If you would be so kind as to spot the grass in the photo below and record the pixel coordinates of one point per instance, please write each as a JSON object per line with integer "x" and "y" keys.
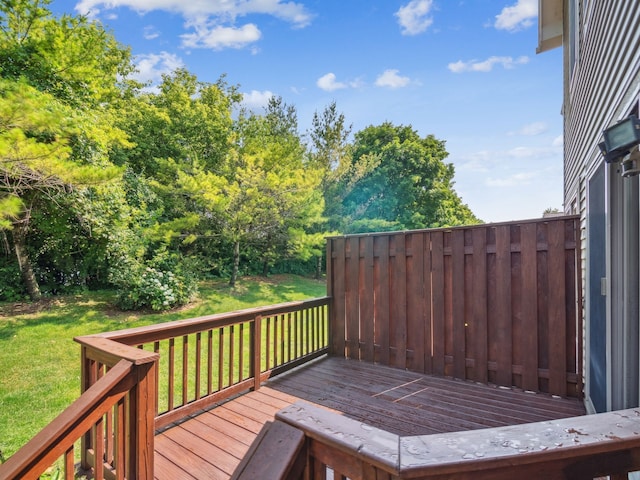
{"x": 40, "y": 362}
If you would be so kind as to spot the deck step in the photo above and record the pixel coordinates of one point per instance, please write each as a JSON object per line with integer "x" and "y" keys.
{"x": 276, "y": 453}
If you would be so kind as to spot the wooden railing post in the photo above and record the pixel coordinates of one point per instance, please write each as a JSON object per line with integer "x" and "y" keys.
{"x": 86, "y": 381}
{"x": 142, "y": 412}
{"x": 256, "y": 347}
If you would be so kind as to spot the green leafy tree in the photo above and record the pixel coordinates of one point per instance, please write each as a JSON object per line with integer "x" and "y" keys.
{"x": 37, "y": 165}
{"x": 403, "y": 182}
{"x": 57, "y": 78}
{"x": 185, "y": 121}
{"x": 266, "y": 196}
{"x": 330, "y": 154}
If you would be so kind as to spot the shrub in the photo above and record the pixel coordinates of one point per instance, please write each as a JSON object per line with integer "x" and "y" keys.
{"x": 156, "y": 289}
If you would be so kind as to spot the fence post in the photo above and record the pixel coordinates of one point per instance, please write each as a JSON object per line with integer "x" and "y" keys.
{"x": 142, "y": 413}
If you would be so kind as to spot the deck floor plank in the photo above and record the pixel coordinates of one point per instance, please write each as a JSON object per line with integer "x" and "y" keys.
{"x": 211, "y": 444}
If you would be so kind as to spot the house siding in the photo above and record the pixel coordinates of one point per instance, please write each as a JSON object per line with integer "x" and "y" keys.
{"x": 601, "y": 52}
{"x": 601, "y": 86}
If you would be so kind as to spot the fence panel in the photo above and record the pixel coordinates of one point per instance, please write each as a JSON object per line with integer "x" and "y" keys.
{"x": 494, "y": 303}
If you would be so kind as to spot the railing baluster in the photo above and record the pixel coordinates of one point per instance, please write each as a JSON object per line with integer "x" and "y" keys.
{"x": 289, "y": 337}
{"x": 220, "y": 357}
{"x": 276, "y": 340}
{"x": 209, "y": 362}
{"x": 231, "y": 352}
{"x": 296, "y": 342}
{"x": 307, "y": 329}
{"x": 241, "y": 353}
{"x": 267, "y": 360}
{"x": 156, "y": 349}
{"x": 108, "y": 449}
{"x": 172, "y": 372}
{"x": 69, "y": 467}
{"x": 185, "y": 369}
{"x": 99, "y": 450}
{"x": 198, "y": 363}
{"x": 282, "y": 360}
{"x": 121, "y": 444}
{"x": 257, "y": 350}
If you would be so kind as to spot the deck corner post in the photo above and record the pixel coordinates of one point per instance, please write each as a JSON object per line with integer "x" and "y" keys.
{"x": 85, "y": 383}
{"x": 257, "y": 351}
{"x": 142, "y": 414}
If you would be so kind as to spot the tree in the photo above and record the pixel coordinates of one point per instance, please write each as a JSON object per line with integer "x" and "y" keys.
{"x": 57, "y": 77}
{"x": 72, "y": 58}
{"x": 37, "y": 163}
{"x": 330, "y": 154}
{"x": 266, "y": 196}
{"x": 185, "y": 121}
{"x": 405, "y": 184}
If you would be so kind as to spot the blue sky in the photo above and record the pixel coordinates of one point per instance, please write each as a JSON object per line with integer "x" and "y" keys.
{"x": 463, "y": 70}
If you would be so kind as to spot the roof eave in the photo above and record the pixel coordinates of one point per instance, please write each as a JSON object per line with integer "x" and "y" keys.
{"x": 550, "y": 24}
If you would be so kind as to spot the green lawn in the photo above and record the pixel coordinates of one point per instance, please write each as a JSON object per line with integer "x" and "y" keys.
{"x": 40, "y": 362}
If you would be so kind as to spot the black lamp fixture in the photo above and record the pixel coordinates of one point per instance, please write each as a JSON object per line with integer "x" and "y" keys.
{"x": 620, "y": 138}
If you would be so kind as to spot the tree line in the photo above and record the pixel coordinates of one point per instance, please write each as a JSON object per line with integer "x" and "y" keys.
{"x": 107, "y": 183}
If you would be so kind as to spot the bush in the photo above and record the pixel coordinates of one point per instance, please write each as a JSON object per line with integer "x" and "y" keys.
{"x": 164, "y": 282}
{"x": 156, "y": 289}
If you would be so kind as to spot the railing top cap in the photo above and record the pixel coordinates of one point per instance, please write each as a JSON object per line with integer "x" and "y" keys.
{"x": 458, "y": 451}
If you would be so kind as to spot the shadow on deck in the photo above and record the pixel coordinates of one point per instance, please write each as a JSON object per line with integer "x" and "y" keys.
{"x": 211, "y": 444}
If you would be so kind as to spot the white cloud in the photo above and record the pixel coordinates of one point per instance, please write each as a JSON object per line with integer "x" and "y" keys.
{"x": 518, "y": 16}
{"x": 514, "y": 180}
{"x": 328, "y": 83}
{"x": 533, "y": 129}
{"x": 558, "y": 142}
{"x": 152, "y": 66}
{"x": 218, "y": 37}
{"x": 213, "y": 21}
{"x": 486, "y": 65}
{"x": 523, "y": 152}
{"x": 292, "y": 12}
{"x": 150, "y": 32}
{"x": 414, "y": 17}
{"x": 391, "y": 79}
{"x": 255, "y": 100}
{"x": 476, "y": 162}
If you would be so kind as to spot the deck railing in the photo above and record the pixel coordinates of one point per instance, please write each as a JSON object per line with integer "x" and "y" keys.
{"x": 138, "y": 380}
{"x": 496, "y": 303}
{"x": 208, "y": 359}
{"x": 587, "y": 447}
{"x": 114, "y": 417}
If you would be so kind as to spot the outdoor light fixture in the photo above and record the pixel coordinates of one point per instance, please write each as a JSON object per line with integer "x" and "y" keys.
{"x": 620, "y": 138}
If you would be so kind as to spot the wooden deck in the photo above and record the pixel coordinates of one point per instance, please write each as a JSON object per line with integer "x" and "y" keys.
{"x": 210, "y": 445}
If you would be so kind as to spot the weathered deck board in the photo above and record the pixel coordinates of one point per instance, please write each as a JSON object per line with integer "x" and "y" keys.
{"x": 211, "y": 445}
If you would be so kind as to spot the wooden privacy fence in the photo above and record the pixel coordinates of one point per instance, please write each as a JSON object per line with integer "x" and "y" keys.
{"x": 495, "y": 303}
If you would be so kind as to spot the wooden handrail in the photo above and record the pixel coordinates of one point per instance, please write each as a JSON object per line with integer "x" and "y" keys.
{"x": 571, "y": 448}
{"x": 109, "y": 352}
{"x": 60, "y": 435}
{"x": 198, "y": 350}
{"x": 163, "y": 331}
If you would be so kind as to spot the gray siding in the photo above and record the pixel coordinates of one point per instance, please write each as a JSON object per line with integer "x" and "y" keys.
{"x": 601, "y": 86}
